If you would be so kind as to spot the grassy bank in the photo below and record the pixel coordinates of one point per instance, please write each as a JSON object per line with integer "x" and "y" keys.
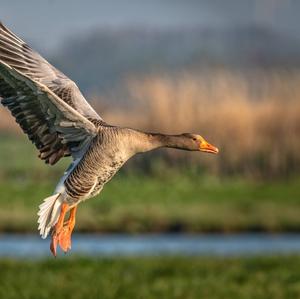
{"x": 186, "y": 278}
{"x": 169, "y": 200}
{"x": 180, "y": 203}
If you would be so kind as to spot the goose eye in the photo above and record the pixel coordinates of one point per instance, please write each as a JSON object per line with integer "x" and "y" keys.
{"x": 195, "y": 139}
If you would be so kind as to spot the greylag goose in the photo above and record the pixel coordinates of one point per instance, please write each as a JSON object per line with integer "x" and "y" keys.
{"x": 58, "y": 120}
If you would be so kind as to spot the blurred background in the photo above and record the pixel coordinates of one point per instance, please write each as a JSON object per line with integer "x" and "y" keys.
{"x": 228, "y": 70}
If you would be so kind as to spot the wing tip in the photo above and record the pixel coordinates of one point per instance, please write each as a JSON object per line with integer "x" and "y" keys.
{"x": 2, "y": 26}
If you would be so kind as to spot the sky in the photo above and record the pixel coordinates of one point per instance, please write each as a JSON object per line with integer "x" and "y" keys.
{"x": 46, "y": 23}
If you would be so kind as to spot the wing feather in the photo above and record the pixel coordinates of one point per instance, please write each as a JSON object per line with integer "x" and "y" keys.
{"x": 51, "y": 124}
{"x": 17, "y": 54}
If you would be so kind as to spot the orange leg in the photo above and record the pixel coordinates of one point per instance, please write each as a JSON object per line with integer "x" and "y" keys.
{"x": 65, "y": 236}
{"x": 58, "y": 228}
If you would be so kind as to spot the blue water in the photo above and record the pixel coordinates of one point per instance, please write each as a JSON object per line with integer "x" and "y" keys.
{"x": 152, "y": 245}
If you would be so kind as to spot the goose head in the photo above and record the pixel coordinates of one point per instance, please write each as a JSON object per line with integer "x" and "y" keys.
{"x": 195, "y": 142}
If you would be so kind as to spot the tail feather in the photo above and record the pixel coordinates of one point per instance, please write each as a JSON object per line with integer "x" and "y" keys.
{"x": 48, "y": 214}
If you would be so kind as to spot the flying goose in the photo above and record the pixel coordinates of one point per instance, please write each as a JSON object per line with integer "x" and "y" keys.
{"x": 58, "y": 120}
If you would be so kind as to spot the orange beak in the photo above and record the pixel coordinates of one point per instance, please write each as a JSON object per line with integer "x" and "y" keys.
{"x": 208, "y": 148}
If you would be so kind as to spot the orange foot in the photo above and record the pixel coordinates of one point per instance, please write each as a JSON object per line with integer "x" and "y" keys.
{"x": 62, "y": 232}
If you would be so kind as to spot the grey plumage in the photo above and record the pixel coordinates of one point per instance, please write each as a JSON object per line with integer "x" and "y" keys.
{"x": 51, "y": 110}
{"x": 53, "y": 113}
{"x": 38, "y": 74}
{"x": 100, "y": 162}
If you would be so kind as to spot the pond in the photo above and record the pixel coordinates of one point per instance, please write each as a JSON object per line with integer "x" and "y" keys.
{"x": 32, "y": 246}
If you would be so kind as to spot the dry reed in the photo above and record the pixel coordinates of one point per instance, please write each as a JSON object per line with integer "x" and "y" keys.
{"x": 254, "y": 119}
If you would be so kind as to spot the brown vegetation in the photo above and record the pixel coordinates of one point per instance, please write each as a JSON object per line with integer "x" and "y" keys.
{"x": 254, "y": 119}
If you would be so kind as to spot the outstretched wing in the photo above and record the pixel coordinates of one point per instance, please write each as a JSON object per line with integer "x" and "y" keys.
{"x": 17, "y": 54}
{"x": 51, "y": 124}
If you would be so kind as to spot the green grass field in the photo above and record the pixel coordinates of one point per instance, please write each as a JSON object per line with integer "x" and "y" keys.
{"x": 166, "y": 201}
{"x": 143, "y": 204}
{"x": 147, "y": 278}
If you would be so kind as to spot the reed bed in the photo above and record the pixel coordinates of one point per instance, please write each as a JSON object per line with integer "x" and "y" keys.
{"x": 253, "y": 118}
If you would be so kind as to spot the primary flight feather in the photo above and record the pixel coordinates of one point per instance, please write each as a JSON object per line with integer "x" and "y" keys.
{"x": 58, "y": 120}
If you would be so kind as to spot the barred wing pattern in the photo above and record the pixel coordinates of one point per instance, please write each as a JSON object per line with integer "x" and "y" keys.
{"x": 16, "y": 53}
{"x": 52, "y": 125}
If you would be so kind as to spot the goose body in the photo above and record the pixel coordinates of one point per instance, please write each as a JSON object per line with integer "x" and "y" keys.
{"x": 51, "y": 110}
{"x": 99, "y": 164}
